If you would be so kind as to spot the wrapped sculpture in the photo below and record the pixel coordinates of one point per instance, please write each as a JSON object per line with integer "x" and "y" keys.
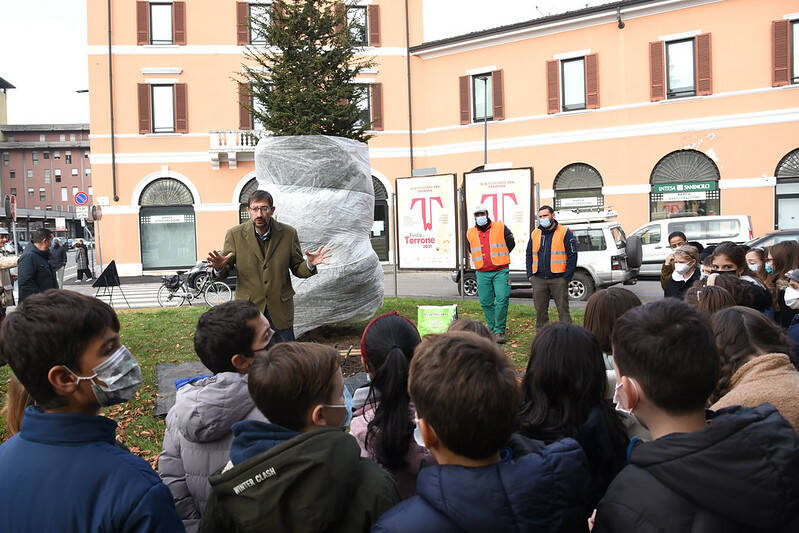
{"x": 323, "y": 187}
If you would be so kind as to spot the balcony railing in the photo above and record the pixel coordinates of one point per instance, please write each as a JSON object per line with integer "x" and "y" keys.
{"x": 227, "y": 144}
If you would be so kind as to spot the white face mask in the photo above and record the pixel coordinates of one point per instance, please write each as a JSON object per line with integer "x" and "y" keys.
{"x": 120, "y": 373}
{"x": 754, "y": 268}
{"x": 616, "y": 402}
{"x": 792, "y": 297}
{"x": 682, "y": 268}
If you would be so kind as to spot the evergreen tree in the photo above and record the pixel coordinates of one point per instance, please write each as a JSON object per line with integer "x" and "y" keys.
{"x": 303, "y": 80}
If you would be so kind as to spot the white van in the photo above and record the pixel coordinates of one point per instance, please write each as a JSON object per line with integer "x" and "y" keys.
{"x": 705, "y": 230}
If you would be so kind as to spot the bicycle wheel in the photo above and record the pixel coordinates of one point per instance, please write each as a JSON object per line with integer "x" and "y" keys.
{"x": 169, "y": 298}
{"x": 217, "y": 293}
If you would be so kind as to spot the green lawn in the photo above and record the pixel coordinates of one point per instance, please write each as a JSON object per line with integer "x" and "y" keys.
{"x": 165, "y": 336}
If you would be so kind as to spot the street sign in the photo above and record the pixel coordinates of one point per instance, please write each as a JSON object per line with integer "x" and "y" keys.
{"x": 97, "y": 212}
{"x": 13, "y": 202}
{"x": 82, "y": 211}
{"x": 81, "y": 198}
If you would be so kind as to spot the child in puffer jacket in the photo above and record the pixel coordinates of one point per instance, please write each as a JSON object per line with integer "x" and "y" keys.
{"x": 198, "y": 433}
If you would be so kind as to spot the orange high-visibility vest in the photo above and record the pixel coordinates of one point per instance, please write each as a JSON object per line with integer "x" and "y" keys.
{"x": 496, "y": 238}
{"x": 557, "y": 253}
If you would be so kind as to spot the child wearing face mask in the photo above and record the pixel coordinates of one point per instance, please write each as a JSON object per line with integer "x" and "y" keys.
{"x": 300, "y": 471}
{"x": 686, "y": 272}
{"x": 700, "y": 464}
{"x": 791, "y": 298}
{"x": 63, "y": 471}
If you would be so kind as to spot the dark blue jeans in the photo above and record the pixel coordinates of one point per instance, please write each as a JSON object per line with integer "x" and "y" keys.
{"x": 281, "y": 335}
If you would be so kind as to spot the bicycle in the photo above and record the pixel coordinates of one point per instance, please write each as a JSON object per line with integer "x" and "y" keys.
{"x": 175, "y": 291}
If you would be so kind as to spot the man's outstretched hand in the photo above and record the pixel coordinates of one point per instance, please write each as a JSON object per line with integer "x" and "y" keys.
{"x": 218, "y": 260}
{"x": 318, "y": 257}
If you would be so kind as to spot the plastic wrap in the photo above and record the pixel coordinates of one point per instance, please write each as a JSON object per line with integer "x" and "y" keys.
{"x": 322, "y": 186}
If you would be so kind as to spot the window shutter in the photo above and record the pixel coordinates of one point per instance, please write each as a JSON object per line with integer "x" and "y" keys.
{"x": 553, "y": 87}
{"x": 591, "y": 82}
{"x": 242, "y": 23}
{"x": 781, "y": 59}
{"x": 704, "y": 70}
{"x": 179, "y": 22}
{"x": 181, "y": 110}
{"x": 340, "y": 9}
{"x": 377, "y": 106}
{"x": 498, "y": 94}
{"x": 464, "y": 99}
{"x": 144, "y": 108}
{"x": 245, "y": 117}
{"x": 142, "y": 23}
{"x": 657, "y": 76}
{"x": 374, "y": 25}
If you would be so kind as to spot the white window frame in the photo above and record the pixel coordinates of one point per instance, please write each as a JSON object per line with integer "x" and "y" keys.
{"x": 74, "y": 171}
{"x": 682, "y": 92}
{"x": 488, "y": 100}
{"x": 153, "y": 112}
{"x": 351, "y": 26}
{"x": 367, "y": 109}
{"x": 563, "y": 85}
{"x": 160, "y": 7}
{"x": 265, "y": 10}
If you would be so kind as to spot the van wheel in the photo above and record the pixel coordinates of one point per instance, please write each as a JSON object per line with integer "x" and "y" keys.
{"x": 581, "y": 287}
{"x": 469, "y": 285}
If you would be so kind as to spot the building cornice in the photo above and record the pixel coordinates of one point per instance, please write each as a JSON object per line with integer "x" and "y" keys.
{"x": 563, "y": 22}
{"x": 27, "y": 145}
{"x": 44, "y": 127}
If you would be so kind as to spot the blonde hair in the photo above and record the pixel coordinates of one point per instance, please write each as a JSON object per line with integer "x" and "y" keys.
{"x": 688, "y": 252}
{"x": 17, "y": 400}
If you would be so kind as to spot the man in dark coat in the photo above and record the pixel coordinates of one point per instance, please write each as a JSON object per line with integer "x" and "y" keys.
{"x": 58, "y": 261}
{"x": 264, "y": 251}
{"x": 35, "y": 274}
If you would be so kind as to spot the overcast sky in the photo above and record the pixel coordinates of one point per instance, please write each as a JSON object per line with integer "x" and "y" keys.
{"x": 43, "y": 47}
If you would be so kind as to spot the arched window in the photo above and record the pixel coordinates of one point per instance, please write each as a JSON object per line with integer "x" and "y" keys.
{"x": 166, "y": 225}
{"x": 786, "y": 215}
{"x": 244, "y": 197}
{"x": 381, "y": 224}
{"x": 684, "y": 184}
{"x": 579, "y": 187}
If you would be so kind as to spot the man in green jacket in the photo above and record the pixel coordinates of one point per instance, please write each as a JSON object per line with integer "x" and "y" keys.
{"x": 300, "y": 472}
{"x": 264, "y": 251}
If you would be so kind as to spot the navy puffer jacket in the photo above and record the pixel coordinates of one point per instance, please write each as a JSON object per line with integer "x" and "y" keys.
{"x": 545, "y": 490}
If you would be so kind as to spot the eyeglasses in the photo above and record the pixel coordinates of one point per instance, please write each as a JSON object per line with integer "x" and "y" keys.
{"x": 263, "y": 210}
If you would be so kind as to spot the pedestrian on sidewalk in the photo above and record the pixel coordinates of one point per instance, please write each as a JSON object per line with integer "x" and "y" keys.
{"x": 58, "y": 261}
{"x": 35, "y": 274}
{"x": 551, "y": 261}
{"x": 82, "y": 260}
{"x": 6, "y": 285}
{"x": 491, "y": 243}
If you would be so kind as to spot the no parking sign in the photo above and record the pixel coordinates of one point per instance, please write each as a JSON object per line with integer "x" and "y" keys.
{"x": 81, "y": 198}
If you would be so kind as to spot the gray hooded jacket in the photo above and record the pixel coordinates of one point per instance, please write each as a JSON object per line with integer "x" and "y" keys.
{"x": 198, "y": 438}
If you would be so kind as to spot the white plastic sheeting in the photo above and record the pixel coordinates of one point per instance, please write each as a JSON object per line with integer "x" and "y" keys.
{"x": 323, "y": 187}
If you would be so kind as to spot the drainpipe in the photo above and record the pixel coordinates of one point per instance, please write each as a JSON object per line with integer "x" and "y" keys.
{"x": 111, "y": 98}
{"x": 408, "y": 69}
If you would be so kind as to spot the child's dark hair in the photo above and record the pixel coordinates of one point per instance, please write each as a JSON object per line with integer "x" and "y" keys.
{"x": 49, "y": 329}
{"x": 290, "y": 379}
{"x": 564, "y": 381}
{"x": 469, "y": 324}
{"x": 709, "y": 298}
{"x": 676, "y": 234}
{"x": 602, "y": 310}
{"x": 668, "y": 347}
{"x": 222, "y": 332}
{"x": 465, "y": 388}
{"x": 736, "y": 254}
{"x": 387, "y": 346}
{"x": 740, "y": 333}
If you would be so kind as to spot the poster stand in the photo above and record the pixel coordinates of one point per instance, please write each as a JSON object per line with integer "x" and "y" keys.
{"x": 107, "y": 281}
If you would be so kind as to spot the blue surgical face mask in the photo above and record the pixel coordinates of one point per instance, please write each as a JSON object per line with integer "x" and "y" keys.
{"x": 754, "y": 268}
{"x": 544, "y": 222}
{"x": 769, "y": 268}
{"x": 482, "y": 220}
{"x": 347, "y": 405}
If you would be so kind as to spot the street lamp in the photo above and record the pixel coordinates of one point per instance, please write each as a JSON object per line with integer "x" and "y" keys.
{"x": 484, "y": 78}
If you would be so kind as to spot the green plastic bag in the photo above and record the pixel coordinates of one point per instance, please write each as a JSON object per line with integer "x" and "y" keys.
{"x": 436, "y": 318}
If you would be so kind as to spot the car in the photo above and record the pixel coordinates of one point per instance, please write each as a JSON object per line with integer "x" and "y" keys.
{"x": 198, "y": 273}
{"x": 606, "y": 256}
{"x": 706, "y": 231}
{"x": 770, "y": 239}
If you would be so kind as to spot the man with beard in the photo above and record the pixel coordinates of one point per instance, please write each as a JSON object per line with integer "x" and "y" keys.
{"x": 263, "y": 251}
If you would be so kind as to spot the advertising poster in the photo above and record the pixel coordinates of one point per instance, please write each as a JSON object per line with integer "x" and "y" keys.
{"x": 508, "y": 196}
{"x": 426, "y": 223}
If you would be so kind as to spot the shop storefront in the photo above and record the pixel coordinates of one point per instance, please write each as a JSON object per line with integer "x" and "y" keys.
{"x": 786, "y": 201}
{"x": 578, "y": 187}
{"x": 684, "y": 184}
{"x": 167, "y": 226}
